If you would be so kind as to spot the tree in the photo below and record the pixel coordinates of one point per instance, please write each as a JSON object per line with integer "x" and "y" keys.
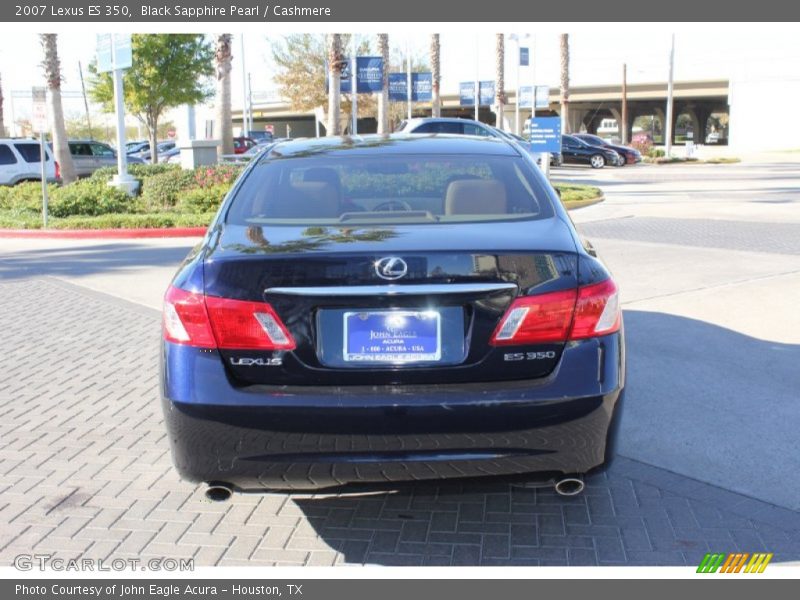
{"x": 436, "y": 74}
{"x": 222, "y": 55}
{"x": 52, "y": 73}
{"x": 500, "y": 78}
{"x": 2, "y": 122}
{"x": 383, "y": 98}
{"x": 168, "y": 70}
{"x": 335, "y": 67}
{"x": 565, "y": 82}
{"x": 301, "y": 61}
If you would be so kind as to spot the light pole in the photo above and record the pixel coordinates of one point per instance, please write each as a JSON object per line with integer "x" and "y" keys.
{"x": 245, "y": 115}
{"x": 353, "y": 83}
{"x": 408, "y": 76}
{"x": 624, "y": 124}
{"x": 668, "y": 128}
{"x": 477, "y": 75}
{"x": 517, "y": 38}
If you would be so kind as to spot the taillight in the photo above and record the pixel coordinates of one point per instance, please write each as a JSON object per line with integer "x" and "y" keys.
{"x": 589, "y": 311}
{"x": 243, "y": 325}
{"x": 210, "y": 322}
{"x": 58, "y": 170}
{"x": 186, "y": 319}
{"x": 534, "y": 319}
{"x": 597, "y": 310}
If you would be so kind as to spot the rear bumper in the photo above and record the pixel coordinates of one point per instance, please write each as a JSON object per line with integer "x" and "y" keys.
{"x": 312, "y": 437}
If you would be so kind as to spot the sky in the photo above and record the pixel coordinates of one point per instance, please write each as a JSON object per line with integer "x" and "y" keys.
{"x": 756, "y": 52}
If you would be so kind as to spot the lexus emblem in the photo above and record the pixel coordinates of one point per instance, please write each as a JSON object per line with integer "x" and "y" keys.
{"x": 391, "y": 267}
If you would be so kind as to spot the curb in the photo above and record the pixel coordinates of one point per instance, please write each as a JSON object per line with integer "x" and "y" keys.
{"x": 121, "y": 233}
{"x": 584, "y": 203}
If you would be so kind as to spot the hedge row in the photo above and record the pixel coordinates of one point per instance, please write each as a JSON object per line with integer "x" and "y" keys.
{"x": 163, "y": 189}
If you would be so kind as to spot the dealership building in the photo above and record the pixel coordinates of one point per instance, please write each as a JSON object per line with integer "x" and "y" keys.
{"x": 719, "y": 112}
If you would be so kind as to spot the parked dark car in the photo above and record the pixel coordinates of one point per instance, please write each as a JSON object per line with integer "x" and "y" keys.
{"x": 391, "y": 308}
{"x": 576, "y": 151}
{"x": 631, "y": 155}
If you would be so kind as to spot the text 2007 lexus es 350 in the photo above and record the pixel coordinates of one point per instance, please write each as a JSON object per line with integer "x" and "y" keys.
{"x": 384, "y": 309}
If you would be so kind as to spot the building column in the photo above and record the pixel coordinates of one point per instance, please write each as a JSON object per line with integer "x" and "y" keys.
{"x": 576, "y": 118}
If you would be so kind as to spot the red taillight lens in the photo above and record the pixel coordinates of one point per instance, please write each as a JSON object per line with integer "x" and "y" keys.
{"x": 597, "y": 311}
{"x": 536, "y": 319}
{"x": 58, "y": 170}
{"x": 589, "y": 311}
{"x": 210, "y": 322}
{"x": 186, "y": 319}
{"x": 243, "y": 325}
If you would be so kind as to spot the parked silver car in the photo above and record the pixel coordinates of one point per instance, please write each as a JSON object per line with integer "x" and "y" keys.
{"x": 90, "y": 155}
{"x": 21, "y": 160}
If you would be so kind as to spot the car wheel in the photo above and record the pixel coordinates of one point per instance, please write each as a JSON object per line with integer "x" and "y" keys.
{"x": 597, "y": 161}
{"x": 622, "y": 161}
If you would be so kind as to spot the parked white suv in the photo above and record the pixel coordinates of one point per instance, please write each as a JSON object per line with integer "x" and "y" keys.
{"x": 20, "y": 160}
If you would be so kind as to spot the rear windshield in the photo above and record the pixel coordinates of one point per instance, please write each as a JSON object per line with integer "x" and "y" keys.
{"x": 389, "y": 189}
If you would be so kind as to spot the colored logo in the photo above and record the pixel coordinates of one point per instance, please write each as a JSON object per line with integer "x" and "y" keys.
{"x": 735, "y": 562}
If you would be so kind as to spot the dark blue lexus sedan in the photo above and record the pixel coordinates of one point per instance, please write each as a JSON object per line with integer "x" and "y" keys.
{"x": 385, "y": 309}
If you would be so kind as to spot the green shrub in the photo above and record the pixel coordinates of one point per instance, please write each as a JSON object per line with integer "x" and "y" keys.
{"x": 161, "y": 191}
{"x": 137, "y": 171}
{"x": 24, "y": 196}
{"x": 89, "y": 197}
{"x": 104, "y": 174}
{"x": 20, "y": 219}
{"x": 202, "y": 200}
{"x": 141, "y": 171}
{"x": 655, "y": 153}
{"x": 577, "y": 192}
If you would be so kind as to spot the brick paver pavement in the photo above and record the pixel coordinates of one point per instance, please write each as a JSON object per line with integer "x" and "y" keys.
{"x": 86, "y": 472}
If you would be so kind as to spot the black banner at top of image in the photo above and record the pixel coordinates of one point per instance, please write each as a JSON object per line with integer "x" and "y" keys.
{"x": 350, "y": 11}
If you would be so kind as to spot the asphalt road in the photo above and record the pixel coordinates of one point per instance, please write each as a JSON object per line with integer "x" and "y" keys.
{"x": 708, "y": 258}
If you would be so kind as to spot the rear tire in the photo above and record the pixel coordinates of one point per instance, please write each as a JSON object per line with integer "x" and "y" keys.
{"x": 598, "y": 161}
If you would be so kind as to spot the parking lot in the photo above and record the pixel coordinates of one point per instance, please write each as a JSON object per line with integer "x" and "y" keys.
{"x": 708, "y": 259}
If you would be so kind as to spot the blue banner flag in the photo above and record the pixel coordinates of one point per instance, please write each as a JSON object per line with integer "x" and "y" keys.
{"x": 467, "y": 93}
{"x": 421, "y": 87}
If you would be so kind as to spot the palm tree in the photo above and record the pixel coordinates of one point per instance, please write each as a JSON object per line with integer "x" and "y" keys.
{"x": 500, "y": 76}
{"x": 383, "y": 98}
{"x": 335, "y": 65}
{"x": 565, "y": 82}
{"x": 436, "y": 75}
{"x": 52, "y": 73}
{"x": 222, "y": 60}
{"x": 2, "y": 126}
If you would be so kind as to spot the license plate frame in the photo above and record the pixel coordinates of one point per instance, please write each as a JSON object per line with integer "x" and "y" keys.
{"x": 398, "y": 343}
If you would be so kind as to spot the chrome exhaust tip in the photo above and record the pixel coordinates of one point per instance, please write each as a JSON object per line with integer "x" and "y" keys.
{"x": 570, "y": 486}
{"x": 218, "y": 492}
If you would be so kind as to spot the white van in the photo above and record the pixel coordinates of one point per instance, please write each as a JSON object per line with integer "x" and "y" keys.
{"x": 20, "y": 160}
